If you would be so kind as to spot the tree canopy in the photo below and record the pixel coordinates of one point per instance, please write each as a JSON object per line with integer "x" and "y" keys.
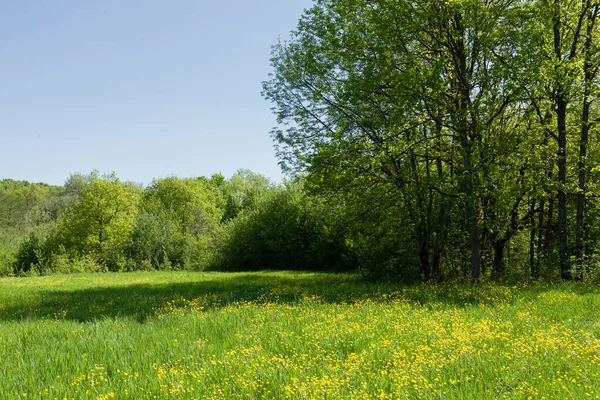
{"x": 464, "y": 110}
{"x": 101, "y": 221}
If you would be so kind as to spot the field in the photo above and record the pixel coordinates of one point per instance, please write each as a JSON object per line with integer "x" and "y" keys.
{"x": 293, "y": 336}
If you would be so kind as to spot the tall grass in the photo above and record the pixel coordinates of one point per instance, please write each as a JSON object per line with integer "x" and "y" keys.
{"x": 284, "y": 335}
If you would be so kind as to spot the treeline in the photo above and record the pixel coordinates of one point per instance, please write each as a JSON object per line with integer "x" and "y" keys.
{"x": 470, "y": 126}
{"x": 99, "y": 223}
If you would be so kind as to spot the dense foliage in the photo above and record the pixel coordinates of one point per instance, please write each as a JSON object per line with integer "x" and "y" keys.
{"x": 286, "y": 229}
{"x": 99, "y": 223}
{"x": 470, "y": 125}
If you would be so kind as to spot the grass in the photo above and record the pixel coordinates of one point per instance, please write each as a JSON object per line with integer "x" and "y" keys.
{"x": 183, "y": 335}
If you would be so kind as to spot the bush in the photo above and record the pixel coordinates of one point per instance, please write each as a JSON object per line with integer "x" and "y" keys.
{"x": 157, "y": 243}
{"x": 6, "y": 264}
{"x": 288, "y": 229}
{"x": 153, "y": 244}
{"x": 29, "y": 254}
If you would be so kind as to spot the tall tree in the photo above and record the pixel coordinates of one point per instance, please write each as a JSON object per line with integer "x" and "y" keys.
{"x": 384, "y": 93}
{"x": 101, "y": 221}
{"x": 566, "y": 39}
{"x": 193, "y": 204}
{"x": 242, "y": 191}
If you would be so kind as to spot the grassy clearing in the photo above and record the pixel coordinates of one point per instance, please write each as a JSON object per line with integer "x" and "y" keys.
{"x": 293, "y": 336}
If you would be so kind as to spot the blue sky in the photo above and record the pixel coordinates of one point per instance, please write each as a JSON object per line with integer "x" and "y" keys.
{"x": 146, "y": 88}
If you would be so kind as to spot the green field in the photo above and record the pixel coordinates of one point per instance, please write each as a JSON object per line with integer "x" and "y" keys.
{"x": 293, "y": 336}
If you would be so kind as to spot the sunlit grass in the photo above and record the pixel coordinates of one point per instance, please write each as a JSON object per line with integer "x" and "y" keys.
{"x": 292, "y": 336}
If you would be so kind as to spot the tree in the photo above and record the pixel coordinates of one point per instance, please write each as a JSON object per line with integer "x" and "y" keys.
{"x": 286, "y": 229}
{"x": 566, "y": 41}
{"x": 180, "y": 221}
{"x": 242, "y": 192}
{"x": 193, "y": 204}
{"x": 101, "y": 221}
{"x": 400, "y": 95}
{"x": 156, "y": 243}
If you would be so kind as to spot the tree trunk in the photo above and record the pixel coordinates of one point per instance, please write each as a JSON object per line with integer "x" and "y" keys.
{"x": 466, "y": 134}
{"x": 563, "y": 237}
{"x": 540, "y": 240}
{"x": 422, "y": 226}
{"x": 471, "y": 211}
{"x": 441, "y": 217}
{"x": 583, "y": 145}
{"x": 533, "y": 230}
{"x": 581, "y": 194}
{"x": 498, "y": 247}
{"x": 424, "y": 259}
{"x": 561, "y": 121}
{"x": 549, "y": 228}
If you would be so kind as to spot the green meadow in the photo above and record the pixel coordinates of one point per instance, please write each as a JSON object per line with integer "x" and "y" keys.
{"x": 283, "y": 335}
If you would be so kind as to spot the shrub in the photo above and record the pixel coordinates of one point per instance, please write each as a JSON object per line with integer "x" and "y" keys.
{"x": 288, "y": 229}
{"x": 29, "y": 254}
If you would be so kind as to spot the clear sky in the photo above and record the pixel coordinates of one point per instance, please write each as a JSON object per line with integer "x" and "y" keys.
{"x": 145, "y": 88}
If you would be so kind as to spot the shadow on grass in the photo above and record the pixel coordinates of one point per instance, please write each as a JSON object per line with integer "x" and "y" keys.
{"x": 145, "y": 301}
